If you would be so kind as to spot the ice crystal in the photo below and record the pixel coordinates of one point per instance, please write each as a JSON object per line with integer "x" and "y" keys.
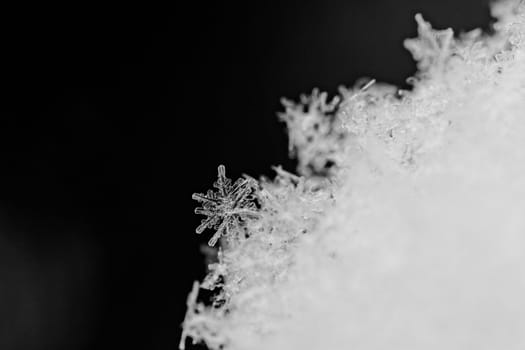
{"x": 227, "y": 208}
{"x": 201, "y": 322}
{"x": 432, "y": 48}
{"x": 314, "y": 135}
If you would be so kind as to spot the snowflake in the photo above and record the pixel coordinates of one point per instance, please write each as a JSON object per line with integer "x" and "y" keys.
{"x": 228, "y": 208}
{"x": 432, "y": 47}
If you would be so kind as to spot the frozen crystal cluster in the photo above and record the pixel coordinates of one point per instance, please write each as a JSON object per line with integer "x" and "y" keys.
{"x": 405, "y": 226}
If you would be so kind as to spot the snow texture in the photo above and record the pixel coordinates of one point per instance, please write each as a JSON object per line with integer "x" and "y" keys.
{"x": 405, "y": 228}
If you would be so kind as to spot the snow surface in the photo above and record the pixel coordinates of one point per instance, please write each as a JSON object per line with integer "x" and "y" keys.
{"x": 405, "y": 228}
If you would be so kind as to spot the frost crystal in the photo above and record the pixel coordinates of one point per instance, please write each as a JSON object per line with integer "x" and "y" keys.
{"x": 404, "y": 227}
{"x": 432, "y": 48}
{"x": 228, "y": 207}
{"x": 314, "y": 132}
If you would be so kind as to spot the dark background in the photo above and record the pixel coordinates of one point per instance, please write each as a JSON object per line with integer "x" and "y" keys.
{"x": 112, "y": 117}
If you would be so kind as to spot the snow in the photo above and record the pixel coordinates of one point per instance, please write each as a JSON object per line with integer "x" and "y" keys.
{"x": 405, "y": 228}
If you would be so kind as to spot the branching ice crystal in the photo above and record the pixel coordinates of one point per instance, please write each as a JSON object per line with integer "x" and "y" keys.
{"x": 314, "y": 131}
{"x": 432, "y": 47}
{"x": 227, "y": 208}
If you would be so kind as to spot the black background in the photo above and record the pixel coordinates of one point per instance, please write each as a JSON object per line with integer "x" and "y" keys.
{"x": 112, "y": 117}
